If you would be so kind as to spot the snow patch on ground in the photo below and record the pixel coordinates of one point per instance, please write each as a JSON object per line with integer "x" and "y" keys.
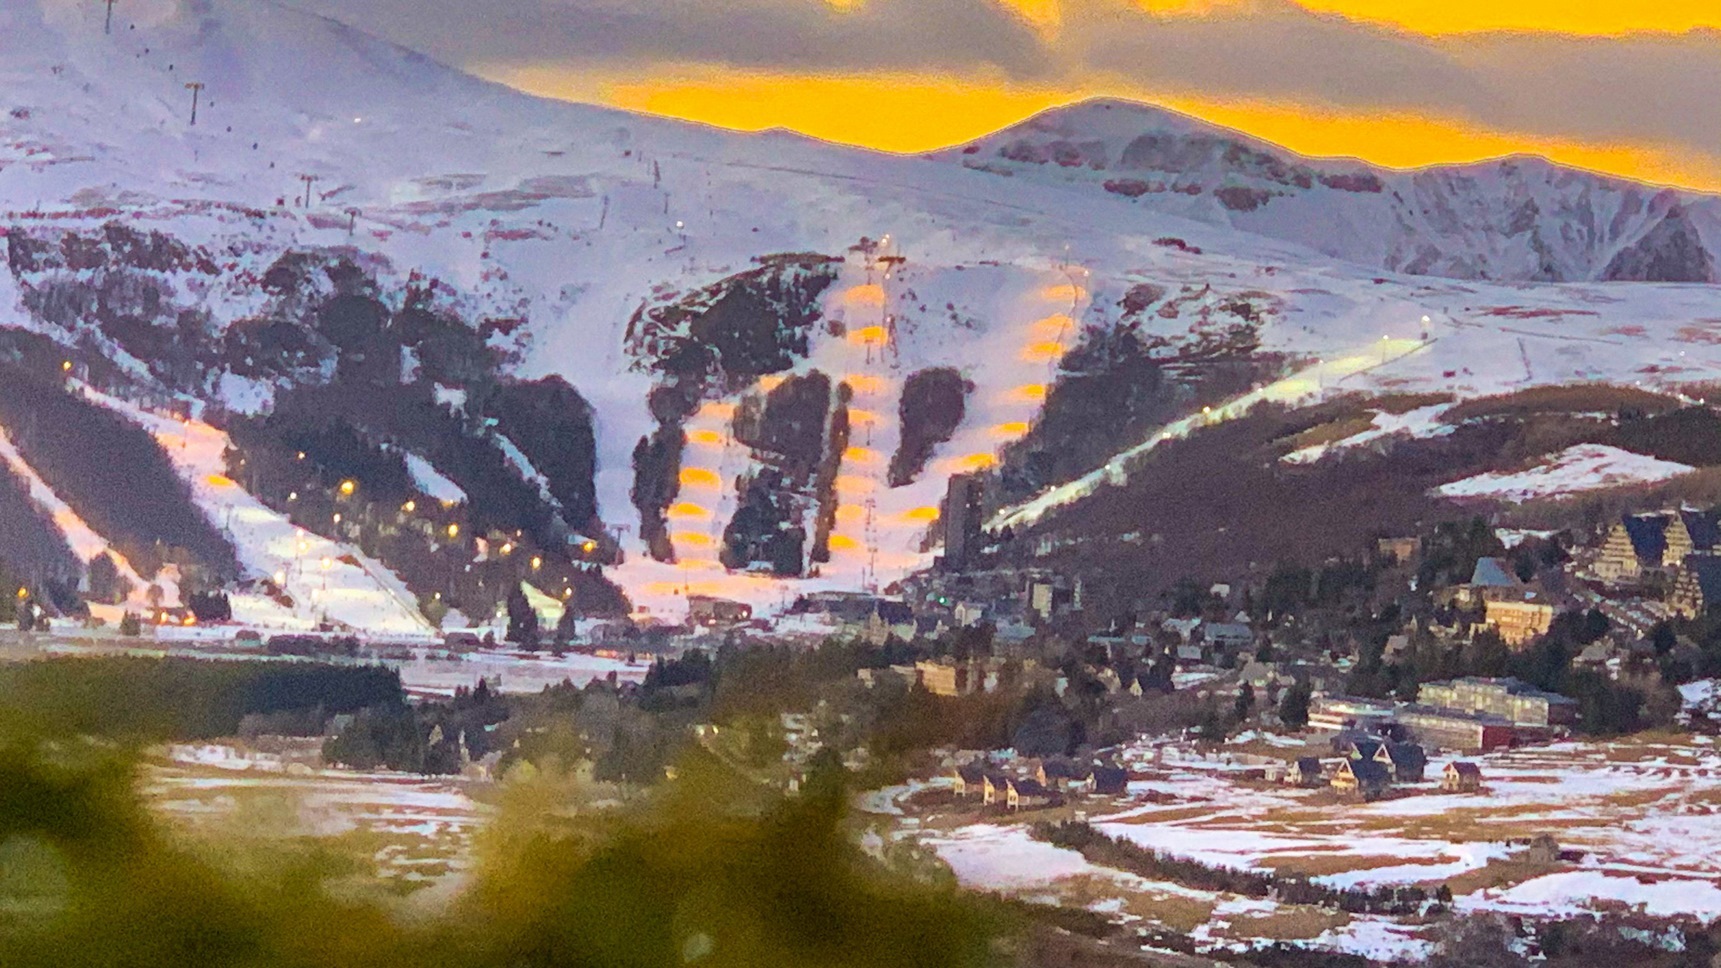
{"x": 1421, "y": 423}
{"x": 430, "y": 481}
{"x": 1574, "y": 892}
{"x": 1585, "y": 467}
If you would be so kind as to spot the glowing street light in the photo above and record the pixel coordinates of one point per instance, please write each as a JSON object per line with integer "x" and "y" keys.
{"x": 348, "y": 487}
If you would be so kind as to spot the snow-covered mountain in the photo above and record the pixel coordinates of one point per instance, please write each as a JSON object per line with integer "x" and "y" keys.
{"x": 712, "y": 362}
{"x": 1514, "y": 219}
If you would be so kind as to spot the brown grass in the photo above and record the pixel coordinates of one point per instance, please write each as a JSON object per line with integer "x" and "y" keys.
{"x": 1288, "y": 923}
{"x": 1328, "y": 433}
{"x": 1571, "y": 398}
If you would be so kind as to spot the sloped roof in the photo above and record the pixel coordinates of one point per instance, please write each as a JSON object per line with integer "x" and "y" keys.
{"x": 1029, "y": 788}
{"x": 1110, "y": 779}
{"x": 1407, "y": 755}
{"x": 1365, "y": 770}
{"x": 1706, "y": 568}
{"x": 1493, "y": 573}
{"x": 1463, "y": 768}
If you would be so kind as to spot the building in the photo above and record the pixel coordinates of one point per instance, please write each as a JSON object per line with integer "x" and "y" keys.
{"x": 1338, "y": 713}
{"x": 1360, "y": 778}
{"x": 1516, "y": 702}
{"x": 1402, "y": 550}
{"x": 1404, "y": 762}
{"x": 1697, "y": 586}
{"x": 968, "y": 781}
{"x": 1646, "y": 543}
{"x": 1108, "y": 781}
{"x": 1307, "y": 773}
{"x": 1026, "y": 794}
{"x": 964, "y": 521}
{"x": 1491, "y": 579}
{"x": 1455, "y": 730}
{"x": 1461, "y": 777}
{"x": 711, "y": 612}
{"x": 945, "y": 677}
{"x": 1519, "y": 620}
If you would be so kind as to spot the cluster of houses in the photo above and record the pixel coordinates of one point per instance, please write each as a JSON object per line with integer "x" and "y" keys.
{"x": 1030, "y": 784}
{"x": 1371, "y": 766}
{"x": 1676, "y": 553}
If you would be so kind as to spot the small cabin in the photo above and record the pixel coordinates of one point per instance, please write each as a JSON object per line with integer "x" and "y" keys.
{"x": 1461, "y": 777}
{"x": 1026, "y": 794}
{"x": 968, "y": 781}
{"x": 1108, "y": 781}
{"x": 1307, "y": 772}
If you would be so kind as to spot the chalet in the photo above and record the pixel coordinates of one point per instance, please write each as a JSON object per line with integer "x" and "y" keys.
{"x": 1697, "y": 585}
{"x": 1360, "y": 778}
{"x": 1026, "y": 794}
{"x": 1405, "y": 762}
{"x": 1306, "y": 772}
{"x": 1461, "y": 777}
{"x": 993, "y": 788}
{"x": 968, "y": 781}
{"x": 1108, "y": 781}
{"x": 1058, "y": 773}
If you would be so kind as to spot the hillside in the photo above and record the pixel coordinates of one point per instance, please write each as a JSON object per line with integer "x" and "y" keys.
{"x": 622, "y": 356}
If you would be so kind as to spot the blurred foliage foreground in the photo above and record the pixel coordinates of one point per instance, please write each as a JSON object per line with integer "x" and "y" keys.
{"x": 704, "y": 871}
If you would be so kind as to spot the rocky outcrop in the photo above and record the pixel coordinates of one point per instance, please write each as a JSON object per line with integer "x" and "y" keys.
{"x": 1672, "y": 251}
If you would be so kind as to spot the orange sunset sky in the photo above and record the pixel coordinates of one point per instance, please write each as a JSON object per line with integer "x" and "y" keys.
{"x": 1628, "y": 88}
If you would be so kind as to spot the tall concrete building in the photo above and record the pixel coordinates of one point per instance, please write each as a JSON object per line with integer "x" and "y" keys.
{"x": 964, "y": 520}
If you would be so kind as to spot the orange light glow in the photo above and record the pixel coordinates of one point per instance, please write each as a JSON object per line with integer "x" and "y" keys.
{"x": 771, "y": 381}
{"x": 1029, "y": 393}
{"x": 700, "y": 477}
{"x": 849, "y": 513}
{"x": 977, "y": 462}
{"x": 865, "y": 383}
{"x": 861, "y": 455}
{"x": 717, "y": 410}
{"x": 921, "y": 515}
{"x": 691, "y": 539}
{"x": 1013, "y": 428}
{"x": 1066, "y": 293}
{"x": 219, "y": 480}
{"x": 1043, "y": 352}
{"x": 707, "y": 438}
{"x": 1053, "y": 327}
{"x": 842, "y": 542}
{"x": 851, "y": 484}
{"x": 867, "y": 295}
{"x": 688, "y": 511}
{"x": 862, "y": 418}
{"x": 872, "y": 335}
